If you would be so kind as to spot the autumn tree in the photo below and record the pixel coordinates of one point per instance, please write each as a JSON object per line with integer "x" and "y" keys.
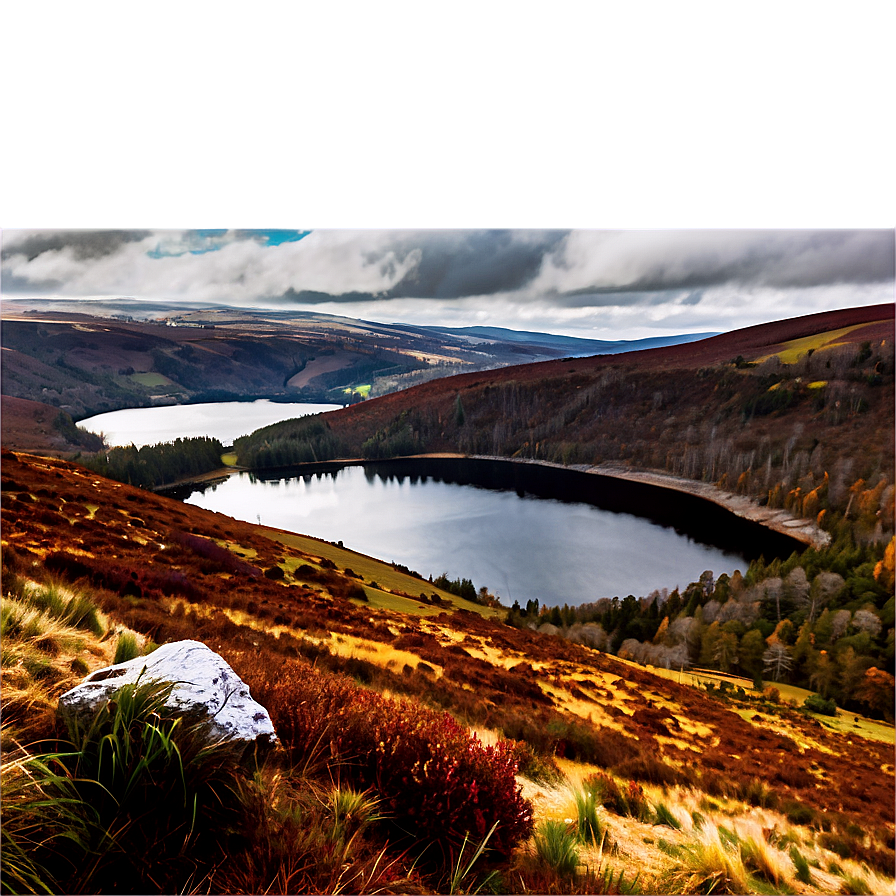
{"x": 825, "y": 673}
{"x": 876, "y": 691}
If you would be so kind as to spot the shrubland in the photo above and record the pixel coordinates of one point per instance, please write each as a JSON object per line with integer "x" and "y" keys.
{"x": 426, "y": 744}
{"x": 411, "y": 744}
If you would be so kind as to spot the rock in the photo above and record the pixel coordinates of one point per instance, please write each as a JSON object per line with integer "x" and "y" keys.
{"x": 201, "y": 679}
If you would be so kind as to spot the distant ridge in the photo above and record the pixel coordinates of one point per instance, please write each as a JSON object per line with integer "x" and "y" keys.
{"x": 585, "y": 346}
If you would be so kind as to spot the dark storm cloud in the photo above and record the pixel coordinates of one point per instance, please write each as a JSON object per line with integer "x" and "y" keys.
{"x": 454, "y": 264}
{"x": 86, "y": 245}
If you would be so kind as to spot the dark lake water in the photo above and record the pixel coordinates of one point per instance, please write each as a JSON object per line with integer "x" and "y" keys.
{"x": 224, "y": 420}
{"x": 493, "y": 523}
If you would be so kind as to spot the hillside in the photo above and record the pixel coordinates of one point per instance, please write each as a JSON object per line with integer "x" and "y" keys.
{"x": 84, "y": 364}
{"x": 732, "y": 764}
{"x": 798, "y": 413}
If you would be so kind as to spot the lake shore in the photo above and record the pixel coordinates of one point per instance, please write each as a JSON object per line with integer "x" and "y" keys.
{"x": 780, "y": 521}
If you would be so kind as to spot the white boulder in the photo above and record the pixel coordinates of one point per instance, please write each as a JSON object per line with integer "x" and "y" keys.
{"x": 200, "y": 678}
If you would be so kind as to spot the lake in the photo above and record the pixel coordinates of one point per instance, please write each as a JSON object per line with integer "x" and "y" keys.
{"x": 493, "y": 522}
{"x": 224, "y": 420}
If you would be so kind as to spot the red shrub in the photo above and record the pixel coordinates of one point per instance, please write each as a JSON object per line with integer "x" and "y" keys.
{"x": 438, "y": 782}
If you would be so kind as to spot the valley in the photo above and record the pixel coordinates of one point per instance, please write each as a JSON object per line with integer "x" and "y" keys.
{"x": 663, "y": 740}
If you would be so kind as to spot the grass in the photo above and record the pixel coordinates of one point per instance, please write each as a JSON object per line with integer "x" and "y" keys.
{"x": 664, "y": 815}
{"x": 843, "y": 722}
{"x": 855, "y": 885}
{"x": 146, "y": 796}
{"x": 557, "y": 847}
{"x": 588, "y": 824}
{"x": 126, "y": 648}
{"x": 373, "y": 570}
{"x": 229, "y": 459}
{"x": 793, "y": 350}
{"x": 461, "y": 879}
{"x": 801, "y": 866}
{"x": 150, "y": 379}
{"x": 709, "y": 866}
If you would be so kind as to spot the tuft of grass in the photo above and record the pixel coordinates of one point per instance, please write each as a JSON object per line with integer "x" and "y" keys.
{"x": 292, "y": 845}
{"x": 589, "y": 827}
{"x": 140, "y": 801}
{"x": 801, "y": 865}
{"x": 352, "y": 810}
{"x": 855, "y": 885}
{"x": 43, "y": 830}
{"x": 557, "y": 848}
{"x": 758, "y": 793}
{"x": 663, "y": 815}
{"x": 762, "y": 860}
{"x": 698, "y": 820}
{"x": 126, "y": 648}
{"x": 709, "y": 866}
{"x": 56, "y": 602}
{"x": 460, "y": 880}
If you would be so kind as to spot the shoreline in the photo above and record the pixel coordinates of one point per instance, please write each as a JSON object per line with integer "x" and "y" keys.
{"x": 780, "y": 520}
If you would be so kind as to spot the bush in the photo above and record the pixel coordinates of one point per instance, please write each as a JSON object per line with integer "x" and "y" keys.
{"x": 629, "y": 800}
{"x": 438, "y": 784}
{"x": 757, "y": 793}
{"x": 532, "y": 765}
{"x": 818, "y": 704}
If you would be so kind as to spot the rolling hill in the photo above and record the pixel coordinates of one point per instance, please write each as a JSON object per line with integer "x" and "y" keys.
{"x": 270, "y": 601}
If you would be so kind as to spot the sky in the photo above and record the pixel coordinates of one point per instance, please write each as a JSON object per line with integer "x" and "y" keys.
{"x": 608, "y": 170}
{"x": 621, "y": 284}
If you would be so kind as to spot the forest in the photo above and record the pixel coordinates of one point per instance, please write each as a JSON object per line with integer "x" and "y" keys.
{"x": 155, "y": 465}
{"x": 821, "y": 620}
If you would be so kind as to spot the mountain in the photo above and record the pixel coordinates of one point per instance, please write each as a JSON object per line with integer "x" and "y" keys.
{"x": 570, "y": 345}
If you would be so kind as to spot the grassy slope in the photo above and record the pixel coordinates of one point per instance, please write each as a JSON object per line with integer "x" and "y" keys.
{"x": 457, "y": 660}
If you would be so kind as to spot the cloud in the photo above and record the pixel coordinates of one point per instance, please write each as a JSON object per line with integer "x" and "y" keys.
{"x": 592, "y": 262}
{"x": 83, "y": 244}
{"x": 581, "y": 282}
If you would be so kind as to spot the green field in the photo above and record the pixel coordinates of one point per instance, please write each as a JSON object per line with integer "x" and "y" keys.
{"x": 376, "y": 571}
{"x": 150, "y": 379}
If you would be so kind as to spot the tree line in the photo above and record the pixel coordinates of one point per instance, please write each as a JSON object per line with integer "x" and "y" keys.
{"x": 161, "y": 464}
{"x": 822, "y": 620}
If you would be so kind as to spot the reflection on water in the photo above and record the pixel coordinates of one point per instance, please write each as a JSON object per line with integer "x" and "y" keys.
{"x": 518, "y": 545}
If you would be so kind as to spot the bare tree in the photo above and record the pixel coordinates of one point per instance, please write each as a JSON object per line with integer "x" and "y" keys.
{"x": 777, "y": 660}
{"x": 867, "y": 621}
